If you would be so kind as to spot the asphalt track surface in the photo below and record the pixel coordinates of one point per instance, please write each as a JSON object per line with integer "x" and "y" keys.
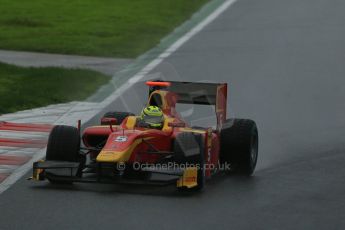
{"x": 284, "y": 62}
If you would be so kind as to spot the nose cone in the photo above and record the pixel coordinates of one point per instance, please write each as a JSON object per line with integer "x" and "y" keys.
{"x": 119, "y": 147}
{"x": 114, "y": 156}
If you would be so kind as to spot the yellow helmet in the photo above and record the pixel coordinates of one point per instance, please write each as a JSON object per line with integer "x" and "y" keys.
{"x": 153, "y": 116}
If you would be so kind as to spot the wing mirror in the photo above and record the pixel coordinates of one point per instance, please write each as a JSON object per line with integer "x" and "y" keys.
{"x": 176, "y": 124}
{"x": 108, "y": 121}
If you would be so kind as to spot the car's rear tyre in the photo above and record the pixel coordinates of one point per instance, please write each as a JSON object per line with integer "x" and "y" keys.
{"x": 63, "y": 145}
{"x": 239, "y": 145}
{"x": 189, "y": 148}
{"x": 120, "y": 116}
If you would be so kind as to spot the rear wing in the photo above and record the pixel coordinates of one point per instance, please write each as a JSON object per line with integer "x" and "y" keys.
{"x": 197, "y": 93}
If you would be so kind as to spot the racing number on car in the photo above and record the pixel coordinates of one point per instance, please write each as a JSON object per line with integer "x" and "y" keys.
{"x": 121, "y": 139}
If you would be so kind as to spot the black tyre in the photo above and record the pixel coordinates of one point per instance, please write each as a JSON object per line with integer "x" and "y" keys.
{"x": 63, "y": 145}
{"x": 189, "y": 148}
{"x": 239, "y": 145}
{"x": 120, "y": 116}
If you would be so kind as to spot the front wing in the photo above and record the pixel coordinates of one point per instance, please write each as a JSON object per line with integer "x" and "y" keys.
{"x": 74, "y": 172}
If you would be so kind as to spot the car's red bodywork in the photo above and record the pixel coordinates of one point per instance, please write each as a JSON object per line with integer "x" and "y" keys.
{"x": 196, "y": 152}
{"x": 160, "y": 141}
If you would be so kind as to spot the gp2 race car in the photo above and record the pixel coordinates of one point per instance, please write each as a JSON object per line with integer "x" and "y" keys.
{"x": 119, "y": 151}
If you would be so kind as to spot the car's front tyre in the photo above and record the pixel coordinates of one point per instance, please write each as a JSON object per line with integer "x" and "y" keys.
{"x": 63, "y": 145}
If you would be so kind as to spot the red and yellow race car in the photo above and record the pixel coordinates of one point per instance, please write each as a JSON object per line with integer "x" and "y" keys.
{"x": 128, "y": 149}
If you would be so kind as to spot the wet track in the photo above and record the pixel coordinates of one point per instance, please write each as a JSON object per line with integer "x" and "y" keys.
{"x": 284, "y": 62}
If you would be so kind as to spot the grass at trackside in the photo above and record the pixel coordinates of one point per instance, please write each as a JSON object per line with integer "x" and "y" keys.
{"x": 117, "y": 28}
{"x": 25, "y": 88}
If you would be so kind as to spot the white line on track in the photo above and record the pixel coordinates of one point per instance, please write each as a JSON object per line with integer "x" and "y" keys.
{"x": 68, "y": 119}
{"x": 182, "y": 40}
{"x": 170, "y": 50}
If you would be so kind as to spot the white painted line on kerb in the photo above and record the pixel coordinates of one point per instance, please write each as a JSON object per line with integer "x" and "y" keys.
{"x": 175, "y": 46}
